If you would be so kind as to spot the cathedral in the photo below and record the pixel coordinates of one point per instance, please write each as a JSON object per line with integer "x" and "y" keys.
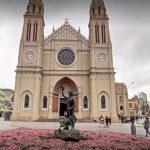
{"x": 66, "y": 58}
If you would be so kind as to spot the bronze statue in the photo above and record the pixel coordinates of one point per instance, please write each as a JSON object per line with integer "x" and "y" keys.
{"x": 70, "y": 117}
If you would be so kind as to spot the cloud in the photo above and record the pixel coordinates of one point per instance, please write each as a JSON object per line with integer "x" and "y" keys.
{"x": 129, "y": 30}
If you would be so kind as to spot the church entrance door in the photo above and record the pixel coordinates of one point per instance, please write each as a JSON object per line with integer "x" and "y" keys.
{"x": 63, "y": 106}
{"x": 59, "y": 102}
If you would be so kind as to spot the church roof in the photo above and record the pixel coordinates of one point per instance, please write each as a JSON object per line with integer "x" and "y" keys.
{"x": 66, "y": 32}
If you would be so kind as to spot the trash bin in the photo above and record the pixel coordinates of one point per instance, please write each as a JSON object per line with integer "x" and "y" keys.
{"x": 7, "y": 116}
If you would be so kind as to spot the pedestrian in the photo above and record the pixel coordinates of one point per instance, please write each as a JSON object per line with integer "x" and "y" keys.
{"x": 133, "y": 128}
{"x": 101, "y": 119}
{"x": 122, "y": 119}
{"x": 107, "y": 121}
{"x": 132, "y": 118}
{"x": 146, "y": 125}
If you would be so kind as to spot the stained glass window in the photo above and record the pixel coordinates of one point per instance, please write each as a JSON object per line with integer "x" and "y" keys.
{"x": 26, "y": 102}
{"x": 45, "y": 102}
{"x": 103, "y": 102}
{"x": 66, "y": 57}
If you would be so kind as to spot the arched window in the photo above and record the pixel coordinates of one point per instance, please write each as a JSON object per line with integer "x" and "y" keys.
{"x": 121, "y": 107}
{"x": 103, "y": 31}
{"x": 99, "y": 10}
{"x": 121, "y": 99}
{"x": 85, "y": 102}
{"x": 45, "y": 102}
{"x": 93, "y": 11}
{"x": 39, "y": 9}
{"x": 103, "y": 102}
{"x": 105, "y": 11}
{"x": 33, "y": 8}
{"x": 26, "y": 101}
{"x": 35, "y": 29}
{"x": 28, "y": 31}
{"x": 97, "y": 38}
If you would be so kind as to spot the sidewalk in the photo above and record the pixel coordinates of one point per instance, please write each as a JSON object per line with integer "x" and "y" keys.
{"x": 115, "y": 127}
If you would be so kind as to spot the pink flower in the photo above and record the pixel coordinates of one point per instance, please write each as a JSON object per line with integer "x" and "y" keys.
{"x": 44, "y": 139}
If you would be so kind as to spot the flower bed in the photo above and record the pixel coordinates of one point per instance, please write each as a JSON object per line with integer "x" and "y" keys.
{"x": 45, "y": 139}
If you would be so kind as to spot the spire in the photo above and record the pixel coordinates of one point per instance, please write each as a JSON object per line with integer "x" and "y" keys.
{"x": 35, "y": 1}
{"x": 98, "y": 3}
{"x": 98, "y": 9}
{"x": 35, "y": 7}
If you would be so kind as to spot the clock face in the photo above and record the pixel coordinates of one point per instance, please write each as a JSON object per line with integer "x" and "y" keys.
{"x": 101, "y": 57}
{"x": 29, "y": 55}
{"x": 66, "y": 57}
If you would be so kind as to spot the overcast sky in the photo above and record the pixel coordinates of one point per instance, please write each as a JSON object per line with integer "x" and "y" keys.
{"x": 129, "y": 29}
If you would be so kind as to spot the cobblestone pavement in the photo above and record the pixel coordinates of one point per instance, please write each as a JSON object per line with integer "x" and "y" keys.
{"x": 115, "y": 127}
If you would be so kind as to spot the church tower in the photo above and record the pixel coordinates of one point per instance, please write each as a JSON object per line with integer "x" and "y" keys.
{"x": 102, "y": 75}
{"x": 28, "y": 73}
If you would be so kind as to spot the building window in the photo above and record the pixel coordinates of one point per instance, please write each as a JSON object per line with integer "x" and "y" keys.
{"x": 45, "y": 102}
{"x": 130, "y": 105}
{"x": 103, "y": 102}
{"x": 121, "y": 107}
{"x": 103, "y": 33}
{"x": 26, "y": 101}
{"x": 121, "y": 99}
{"x": 28, "y": 31}
{"x": 35, "y": 29}
{"x": 66, "y": 57}
{"x": 99, "y": 10}
{"x": 97, "y": 36}
{"x": 39, "y": 9}
{"x": 93, "y": 11}
{"x": 33, "y": 8}
{"x": 105, "y": 11}
{"x": 85, "y": 102}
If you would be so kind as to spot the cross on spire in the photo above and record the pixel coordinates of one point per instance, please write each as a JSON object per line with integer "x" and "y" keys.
{"x": 66, "y": 20}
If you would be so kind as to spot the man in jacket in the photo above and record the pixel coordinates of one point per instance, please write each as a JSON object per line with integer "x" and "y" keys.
{"x": 146, "y": 125}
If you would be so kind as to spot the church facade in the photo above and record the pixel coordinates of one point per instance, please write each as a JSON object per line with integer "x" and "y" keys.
{"x": 66, "y": 58}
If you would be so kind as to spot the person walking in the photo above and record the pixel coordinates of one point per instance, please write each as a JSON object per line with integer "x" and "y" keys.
{"x": 122, "y": 118}
{"x": 107, "y": 121}
{"x": 146, "y": 125}
{"x": 133, "y": 128}
{"x": 101, "y": 119}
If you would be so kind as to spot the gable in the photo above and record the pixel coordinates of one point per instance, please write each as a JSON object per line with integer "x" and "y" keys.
{"x": 66, "y": 33}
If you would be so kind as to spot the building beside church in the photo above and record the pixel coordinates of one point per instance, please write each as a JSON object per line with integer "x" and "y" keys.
{"x": 143, "y": 104}
{"x": 66, "y": 57}
{"x": 5, "y": 101}
{"x": 134, "y": 106}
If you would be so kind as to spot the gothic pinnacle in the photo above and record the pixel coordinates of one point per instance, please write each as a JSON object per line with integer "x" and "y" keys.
{"x": 98, "y": 3}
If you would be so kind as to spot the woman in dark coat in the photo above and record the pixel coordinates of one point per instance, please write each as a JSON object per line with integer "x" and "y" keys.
{"x": 107, "y": 121}
{"x": 146, "y": 125}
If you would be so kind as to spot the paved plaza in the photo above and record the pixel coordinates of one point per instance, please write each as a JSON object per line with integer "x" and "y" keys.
{"x": 115, "y": 127}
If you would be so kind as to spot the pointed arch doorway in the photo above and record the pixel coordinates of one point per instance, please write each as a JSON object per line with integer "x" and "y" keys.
{"x": 59, "y": 103}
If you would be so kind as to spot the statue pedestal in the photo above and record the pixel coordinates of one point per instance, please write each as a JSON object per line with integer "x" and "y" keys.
{"x": 68, "y": 135}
